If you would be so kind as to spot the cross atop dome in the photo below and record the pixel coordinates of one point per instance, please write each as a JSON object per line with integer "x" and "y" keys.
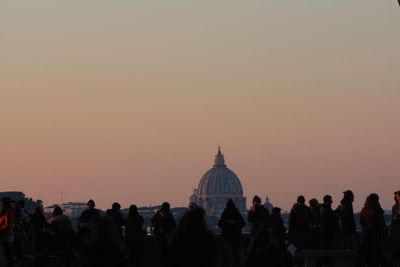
{"x": 219, "y": 159}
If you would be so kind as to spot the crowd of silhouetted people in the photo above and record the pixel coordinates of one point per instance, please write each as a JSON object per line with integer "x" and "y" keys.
{"x": 111, "y": 239}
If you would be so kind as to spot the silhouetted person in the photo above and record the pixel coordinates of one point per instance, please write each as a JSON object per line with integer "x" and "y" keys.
{"x": 300, "y": 223}
{"x": 134, "y": 235}
{"x": 163, "y": 225}
{"x": 63, "y": 235}
{"x": 116, "y": 215}
{"x": 104, "y": 247}
{"x": 23, "y": 214}
{"x": 37, "y": 220}
{"x": 258, "y": 216}
{"x": 41, "y": 237}
{"x": 58, "y": 220}
{"x": 7, "y": 218}
{"x": 262, "y": 252}
{"x": 278, "y": 229}
{"x": 329, "y": 223}
{"x": 315, "y": 231}
{"x": 21, "y": 245}
{"x": 396, "y": 207}
{"x": 193, "y": 244}
{"x": 347, "y": 222}
{"x": 231, "y": 223}
{"x": 86, "y": 219}
{"x": 373, "y": 223}
{"x": 395, "y": 230}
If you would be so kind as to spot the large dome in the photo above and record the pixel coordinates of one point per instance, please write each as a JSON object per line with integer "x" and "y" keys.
{"x": 220, "y": 180}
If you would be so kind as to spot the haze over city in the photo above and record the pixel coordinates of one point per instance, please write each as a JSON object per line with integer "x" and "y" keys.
{"x": 128, "y": 101}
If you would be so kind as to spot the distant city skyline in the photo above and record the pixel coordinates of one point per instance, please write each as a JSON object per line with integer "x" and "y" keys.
{"x": 128, "y": 101}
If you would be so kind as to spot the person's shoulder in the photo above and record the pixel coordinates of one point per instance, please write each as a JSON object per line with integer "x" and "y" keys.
{"x": 155, "y": 216}
{"x": 97, "y": 212}
{"x": 109, "y": 212}
{"x": 84, "y": 212}
{"x": 294, "y": 208}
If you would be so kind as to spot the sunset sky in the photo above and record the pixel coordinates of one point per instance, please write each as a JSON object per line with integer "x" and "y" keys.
{"x": 128, "y": 100}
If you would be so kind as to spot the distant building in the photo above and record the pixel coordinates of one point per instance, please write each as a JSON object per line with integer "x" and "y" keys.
{"x": 73, "y": 209}
{"x": 30, "y": 204}
{"x": 70, "y": 209}
{"x": 268, "y": 205}
{"x": 217, "y": 186}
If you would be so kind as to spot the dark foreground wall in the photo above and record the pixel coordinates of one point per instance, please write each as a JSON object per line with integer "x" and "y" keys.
{"x": 151, "y": 255}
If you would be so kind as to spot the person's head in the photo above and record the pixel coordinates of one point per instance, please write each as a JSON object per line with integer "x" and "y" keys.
{"x": 116, "y": 206}
{"x": 372, "y": 201}
{"x": 313, "y": 203}
{"x": 348, "y": 196}
{"x": 328, "y": 200}
{"x": 276, "y": 212}
{"x": 374, "y": 198}
{"x": 266, "y": 199}
{"x": 165, "y": 207}
{"x": 90, "y": 204}
{"x": 133, "y": 210}
{"x": 230, "y": 204}
{"x": 57, "y": 211}
{"x": 256, "y": 200}
{"x": 397, "y": 197}
{"x": 301, "y": 200}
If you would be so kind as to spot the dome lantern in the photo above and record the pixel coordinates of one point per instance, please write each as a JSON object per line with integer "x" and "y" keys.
{"x": 219, "y": 159}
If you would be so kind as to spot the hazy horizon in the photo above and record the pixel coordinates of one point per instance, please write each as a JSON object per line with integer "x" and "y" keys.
{"x": 128, "y": 101}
